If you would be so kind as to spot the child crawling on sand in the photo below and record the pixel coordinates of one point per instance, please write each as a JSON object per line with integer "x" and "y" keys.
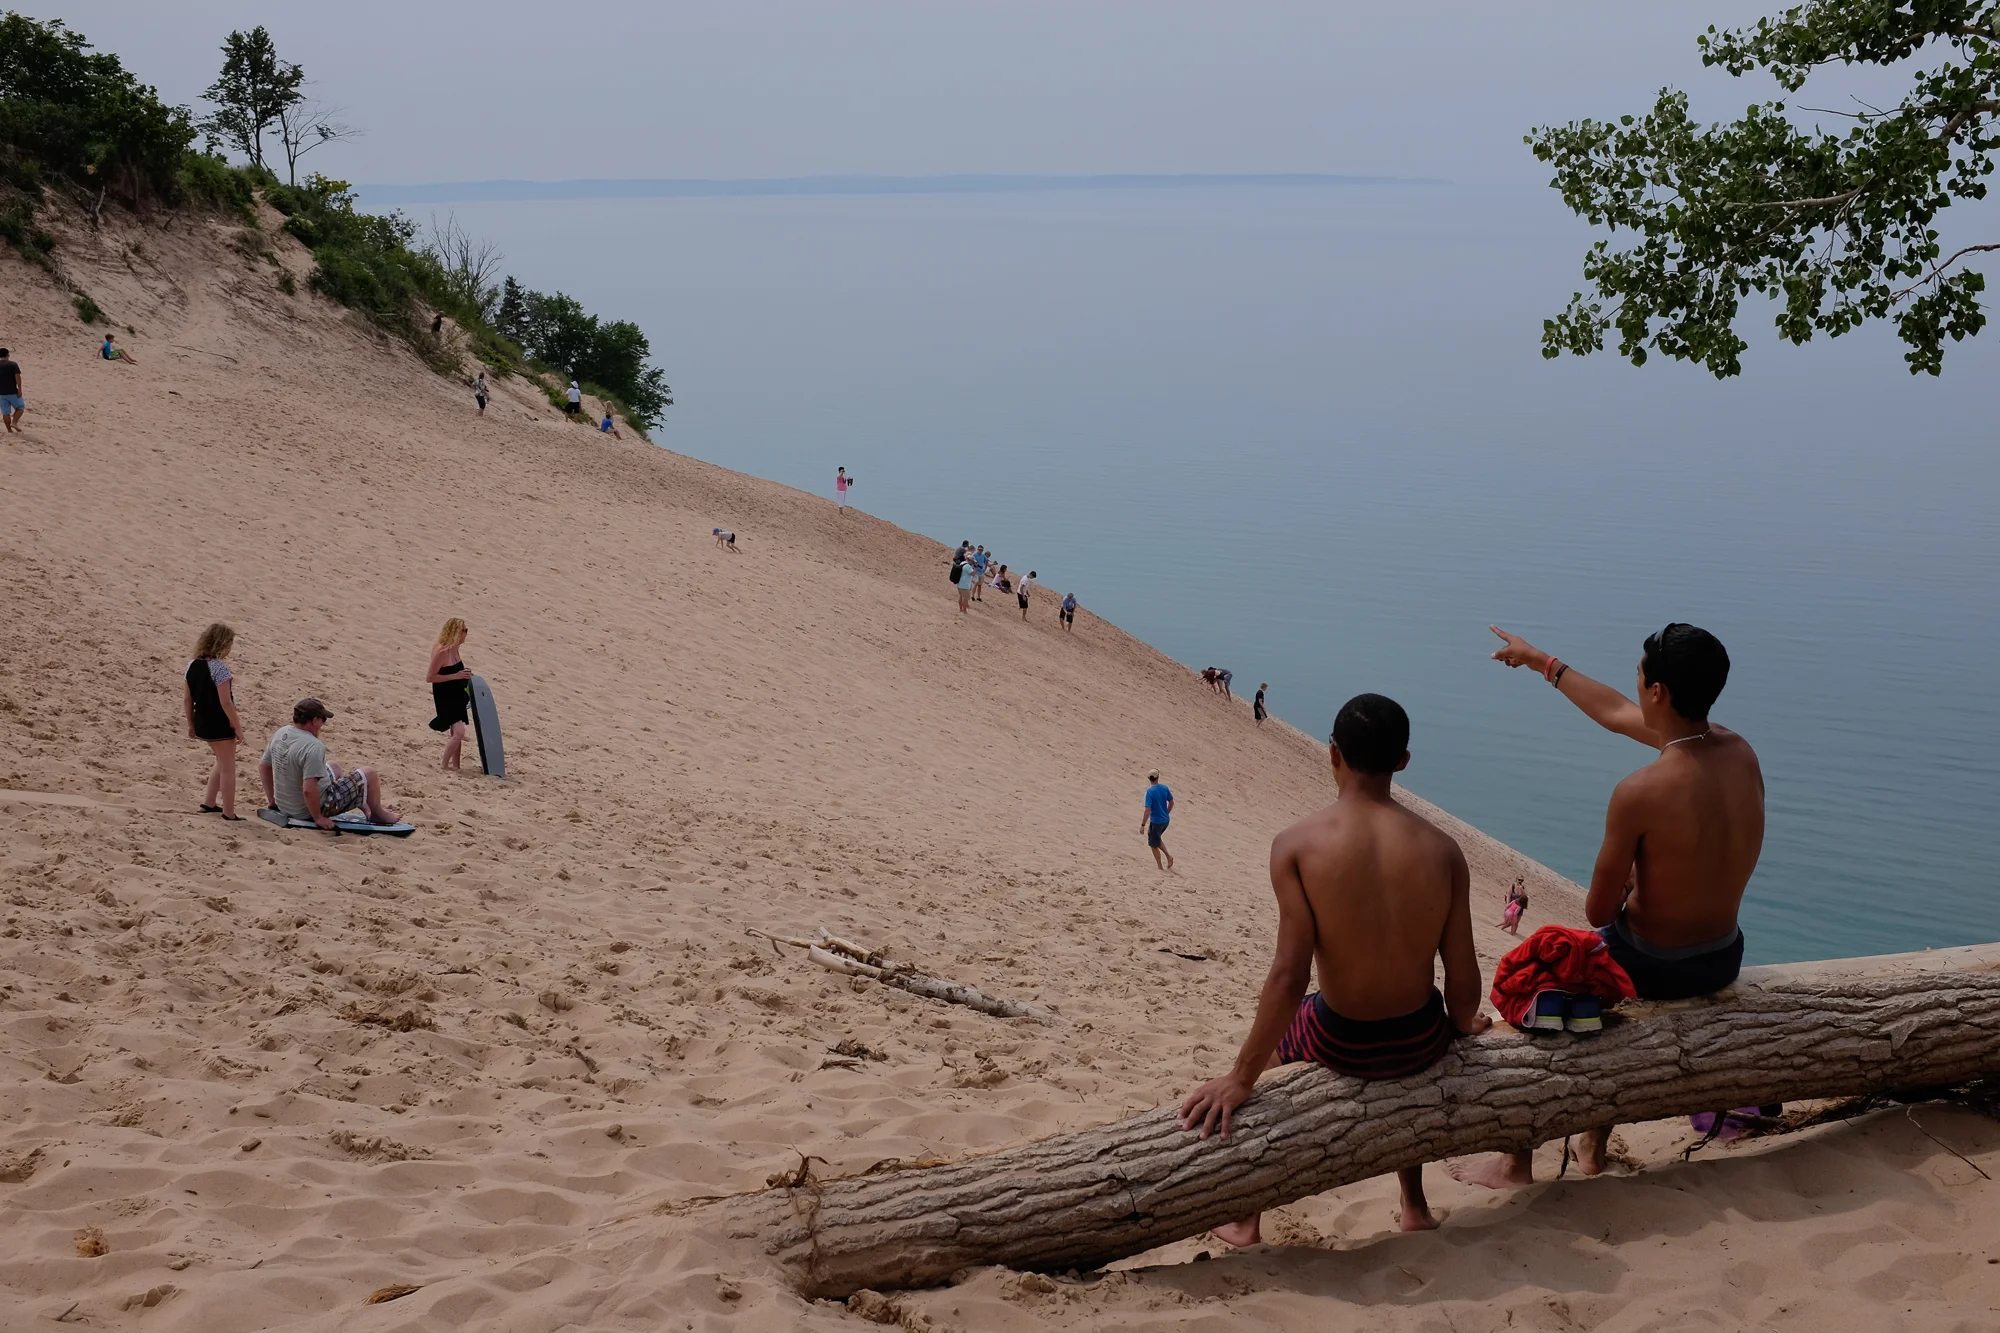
{"x": 1374, "y": 894}
{"x": 725, "y": 540}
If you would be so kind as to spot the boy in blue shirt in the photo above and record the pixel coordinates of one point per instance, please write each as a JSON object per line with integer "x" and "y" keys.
{"x": 1159, "y": 809}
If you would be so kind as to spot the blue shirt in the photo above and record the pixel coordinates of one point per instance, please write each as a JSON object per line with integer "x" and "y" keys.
{"x": 1157, "y": 797}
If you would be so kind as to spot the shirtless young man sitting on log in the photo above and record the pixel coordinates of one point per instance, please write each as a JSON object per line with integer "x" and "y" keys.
{"x": 1680, "y": 838}
{"x": 1374, "y": 894}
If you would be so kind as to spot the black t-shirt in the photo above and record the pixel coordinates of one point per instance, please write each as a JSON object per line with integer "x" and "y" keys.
{"x": 10, "y": 377}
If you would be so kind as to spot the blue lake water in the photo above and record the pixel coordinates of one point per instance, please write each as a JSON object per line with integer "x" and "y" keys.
{"x": 1308, "y": 435}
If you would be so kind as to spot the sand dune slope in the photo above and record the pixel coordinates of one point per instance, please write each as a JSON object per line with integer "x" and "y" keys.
{"x": 277, "y": 1072}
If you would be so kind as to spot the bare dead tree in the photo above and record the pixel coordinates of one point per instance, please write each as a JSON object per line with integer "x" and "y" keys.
{"x": 306, "y": 124}
{"x": 471, "y": 265}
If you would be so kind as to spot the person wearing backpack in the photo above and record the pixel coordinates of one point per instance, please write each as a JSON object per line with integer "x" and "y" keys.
{"x": 966, "y": 575}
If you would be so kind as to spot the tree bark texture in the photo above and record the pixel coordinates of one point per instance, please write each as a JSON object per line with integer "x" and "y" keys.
{"x": 1080, "y": 1200}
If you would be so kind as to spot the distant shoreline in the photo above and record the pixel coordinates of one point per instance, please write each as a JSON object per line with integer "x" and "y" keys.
{"x": 504, "y": 190}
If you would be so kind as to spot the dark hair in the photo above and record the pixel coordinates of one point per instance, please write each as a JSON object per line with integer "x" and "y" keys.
{"x": 1373, "y": 733}
{"x": 305, "y": 710}
{"x": 3, "y": 351}
{"x": 1691, "y": 663}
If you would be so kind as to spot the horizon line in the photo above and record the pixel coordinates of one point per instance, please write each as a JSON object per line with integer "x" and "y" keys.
{"x": 438, "y": 192}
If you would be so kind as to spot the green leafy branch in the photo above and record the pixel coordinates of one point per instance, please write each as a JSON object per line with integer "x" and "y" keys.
{"x": 1836, "y": 228}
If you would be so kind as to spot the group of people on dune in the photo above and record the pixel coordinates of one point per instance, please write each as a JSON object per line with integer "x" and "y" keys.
{"x": 1220, "y": 680}
{"x": 974, "y": 570}
{"x": 1374, "y": 894}
{"x": 298, "y": 778}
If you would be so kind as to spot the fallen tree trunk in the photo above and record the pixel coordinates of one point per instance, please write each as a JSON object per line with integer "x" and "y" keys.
{"x": 1081, "y": 1200}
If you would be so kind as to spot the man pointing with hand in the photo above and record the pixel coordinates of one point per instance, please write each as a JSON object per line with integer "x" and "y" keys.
{"x": 1681, "y": 837}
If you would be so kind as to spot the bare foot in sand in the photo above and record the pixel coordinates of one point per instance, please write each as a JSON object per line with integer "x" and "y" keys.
{"x": 1240, "y": 1234}
{"x": 1415, "y": 1214}
{"x": 1501, "y": 1171}
{"x": 1593, "y": 1150}
{"x": 1419, "y": 1219}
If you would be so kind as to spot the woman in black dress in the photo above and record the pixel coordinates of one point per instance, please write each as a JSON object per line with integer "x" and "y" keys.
{"x": 209, "y": 699}
{"x": 451, "y": 691}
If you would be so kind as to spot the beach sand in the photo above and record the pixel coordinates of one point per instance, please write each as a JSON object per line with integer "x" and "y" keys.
{"x": 278, "y": 1072}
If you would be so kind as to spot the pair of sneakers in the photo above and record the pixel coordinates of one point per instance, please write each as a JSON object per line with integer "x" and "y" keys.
{"x": 1559, "y": 1011}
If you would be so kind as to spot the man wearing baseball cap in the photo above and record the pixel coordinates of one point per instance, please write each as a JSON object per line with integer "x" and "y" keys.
{"x": 301, "y": 781}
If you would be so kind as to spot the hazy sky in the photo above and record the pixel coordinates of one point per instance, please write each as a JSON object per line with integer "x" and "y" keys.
{"x": 506, "y": 88}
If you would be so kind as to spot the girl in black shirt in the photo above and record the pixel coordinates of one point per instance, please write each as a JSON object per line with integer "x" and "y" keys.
{"x": 209, "y": 700}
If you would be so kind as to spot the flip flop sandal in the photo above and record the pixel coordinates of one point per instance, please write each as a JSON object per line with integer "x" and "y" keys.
{"x": 209, "y": 809}
{"x": 234, "y": 819}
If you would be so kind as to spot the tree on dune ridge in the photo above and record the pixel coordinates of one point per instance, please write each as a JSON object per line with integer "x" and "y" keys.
{"x": 255, "y": 90}
{"x": 68, "y": 112}
{"x": 1837, "y": 228}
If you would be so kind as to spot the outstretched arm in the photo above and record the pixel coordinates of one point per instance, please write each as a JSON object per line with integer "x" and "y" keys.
{"x": 1210, "y": 1106}
{"x": 1602, "y": 704}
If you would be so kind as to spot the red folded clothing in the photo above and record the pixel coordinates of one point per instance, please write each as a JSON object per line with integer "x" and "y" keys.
{"x": 1557, "y": 958}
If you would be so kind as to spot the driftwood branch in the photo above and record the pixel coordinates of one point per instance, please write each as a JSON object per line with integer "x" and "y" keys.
{"x": 1080, "y": 1200}
{"x": 857, "y": 960}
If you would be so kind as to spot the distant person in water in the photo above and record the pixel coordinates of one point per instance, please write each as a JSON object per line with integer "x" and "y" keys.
{"x": 609, "y": 426}
{"x": 1153, "y": 823}
{"x": 1681, "y": 837}
{"x": 1375, "y": 895}
{"x": 573, "y": 401}
{"x": 726, "y": 540}
{"x": 1021, "y": 593}
{"x": 1257, "y": 707}
{"x": 1068, "y": 613}
{"x": 841, "y": 481}
{"x": 1517, "y": 903}
{"x": 12, "y": 404}
{"x": 209, "y": 694}
{"x": 110, "y": 351}
{"x": 451, "y": 690}
{"x": 479, "y": 392}
{"x": 302, "y": 783}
